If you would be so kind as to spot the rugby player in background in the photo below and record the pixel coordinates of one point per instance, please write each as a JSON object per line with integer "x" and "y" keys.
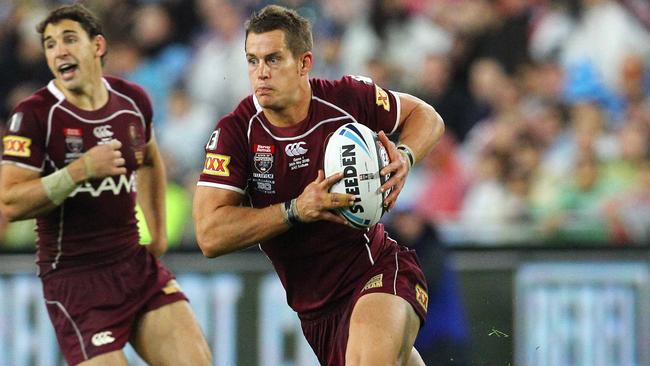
{"x": 70, "y": 158}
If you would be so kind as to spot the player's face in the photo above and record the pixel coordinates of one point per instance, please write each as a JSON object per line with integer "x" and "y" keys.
{"x": 72, "y": 56}
{"x": 273, "y": 71}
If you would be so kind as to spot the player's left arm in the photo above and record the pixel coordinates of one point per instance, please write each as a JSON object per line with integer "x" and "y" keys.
{"x": 421, "y": 128}
{"x": 151, "y": 181}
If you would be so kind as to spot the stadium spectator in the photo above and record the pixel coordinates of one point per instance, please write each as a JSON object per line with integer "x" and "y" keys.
{"x": 343, "y": 282}
{"x": 70, "y": 160}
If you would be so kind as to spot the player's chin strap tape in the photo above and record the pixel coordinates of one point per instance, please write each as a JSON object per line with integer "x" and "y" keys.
{"x": 408, "y": 154}
{"x": 290, "y": 212}
{"x": 58, "y": 185}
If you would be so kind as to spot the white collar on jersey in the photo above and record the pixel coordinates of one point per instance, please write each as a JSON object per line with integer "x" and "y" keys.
{"x": 52, "y": 88}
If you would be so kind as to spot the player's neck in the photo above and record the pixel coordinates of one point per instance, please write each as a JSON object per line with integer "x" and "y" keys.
{"x": 294, "y": 113}
{"x": 89, "y": 97}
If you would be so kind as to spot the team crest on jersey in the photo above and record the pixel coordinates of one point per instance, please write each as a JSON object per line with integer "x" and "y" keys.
{"x": 263, "y": 157}
{"x": 374, "y": 282}
{"x": 216, "y": 164}
{"x": 15, "y": 122}
{"x": 382, "y": 98}
{"x": 422, "y": 297}
{"x": 17, "y": 146}
{"x": 73, "y": 140}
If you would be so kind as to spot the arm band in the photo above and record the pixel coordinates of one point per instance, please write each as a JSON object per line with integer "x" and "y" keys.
{"x": 408, "y": 154}
{"x": 290, "y": 212}
{"x": 58, "y": 185}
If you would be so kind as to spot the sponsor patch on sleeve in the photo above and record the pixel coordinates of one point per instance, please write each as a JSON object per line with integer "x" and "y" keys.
{"x": 216, "y": 164}
{"x": 17, "y": 146}
{"x": 382, "y": 98}
{"x": 374, "y": 282}
{"x": 422, "y": 297}
{"x": 171, "y": 287}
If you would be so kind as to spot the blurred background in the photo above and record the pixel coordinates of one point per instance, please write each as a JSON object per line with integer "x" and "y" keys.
{"x": 531, "y": 217}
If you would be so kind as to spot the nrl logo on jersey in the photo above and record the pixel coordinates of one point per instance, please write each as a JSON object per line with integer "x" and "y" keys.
{"x": 108, "y": 184}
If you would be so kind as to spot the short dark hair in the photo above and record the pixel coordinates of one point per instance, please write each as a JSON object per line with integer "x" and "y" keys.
{"x": 297, "y": 30}
{"x": 76, "y": 12}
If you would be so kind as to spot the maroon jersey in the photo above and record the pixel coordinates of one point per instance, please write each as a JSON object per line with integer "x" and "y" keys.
{"x": 46, "y": 132}
{"x": 321, "y": 262}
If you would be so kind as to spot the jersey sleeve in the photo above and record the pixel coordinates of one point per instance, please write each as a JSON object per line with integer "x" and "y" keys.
{"x": 144, "y": 104}
{"x": 226, "y": 157}
{"x": 24, "y": 140}
{"x": 378, "y": 108}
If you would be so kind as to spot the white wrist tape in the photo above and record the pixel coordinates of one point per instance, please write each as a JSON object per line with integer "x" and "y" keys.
{"x": 88, "y": 166}
{"x": 58, "y": 185}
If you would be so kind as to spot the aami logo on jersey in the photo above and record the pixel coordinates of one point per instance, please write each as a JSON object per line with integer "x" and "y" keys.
{"x": 216, "y": 164}
{"x": 17, "y": 146}
{"x": 108, "y": 184}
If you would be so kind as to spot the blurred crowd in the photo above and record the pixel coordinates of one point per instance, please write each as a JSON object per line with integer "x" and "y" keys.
{"x": 546, "y": 102}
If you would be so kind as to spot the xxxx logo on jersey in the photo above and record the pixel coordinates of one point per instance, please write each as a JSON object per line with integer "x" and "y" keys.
{"x": 17, "y": 146}
{"x": 216, "y": 164}
{"x": 382, "y": 98}
{"x": 422, "y": 297}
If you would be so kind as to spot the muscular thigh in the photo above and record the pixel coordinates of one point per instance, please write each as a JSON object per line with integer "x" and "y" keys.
{"x": 383, "y": 328}
{"x": 389, "y": 307}
{"x": 115, "y": 358}
{"x": 170, "y": 335}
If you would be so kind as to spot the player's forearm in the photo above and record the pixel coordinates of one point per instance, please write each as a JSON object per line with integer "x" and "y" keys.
{"x": 151, "y": 181}
{"x": 26, "y": 199}
{"x": 422, "y": 129}
{"x": 231, "y": 228}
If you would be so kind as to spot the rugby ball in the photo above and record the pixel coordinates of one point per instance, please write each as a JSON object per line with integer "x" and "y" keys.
{"x": 355, "y": 150}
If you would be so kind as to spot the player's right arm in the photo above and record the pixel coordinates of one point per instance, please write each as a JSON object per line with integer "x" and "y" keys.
{"x": 25, "y": 194}
{"x": 222, "y": 225}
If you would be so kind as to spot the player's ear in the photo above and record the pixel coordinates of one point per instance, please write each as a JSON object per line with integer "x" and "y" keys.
{"x": 305, "y": 63}
{"x": 100, "y": 45}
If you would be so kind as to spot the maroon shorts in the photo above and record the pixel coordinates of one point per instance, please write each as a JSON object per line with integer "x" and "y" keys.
{"x": 397, "y": 272}
{"x": 94, "y": 309}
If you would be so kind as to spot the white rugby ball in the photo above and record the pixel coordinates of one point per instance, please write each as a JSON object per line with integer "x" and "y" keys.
{"x": 355, "y": 150}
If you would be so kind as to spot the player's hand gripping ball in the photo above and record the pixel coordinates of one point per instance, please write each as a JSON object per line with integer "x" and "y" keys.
{"x": 355, "y": 150}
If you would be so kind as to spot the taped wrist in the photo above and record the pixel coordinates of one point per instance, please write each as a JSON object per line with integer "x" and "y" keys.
{"x": 58, "y": 185}
{"x": 290, "y": 212}
{"x": 88, "y": 166}
{"x": 406, "y": 151}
